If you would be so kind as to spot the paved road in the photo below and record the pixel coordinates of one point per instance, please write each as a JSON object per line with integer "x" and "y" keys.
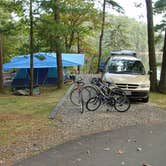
{"x": 130, "y": 146}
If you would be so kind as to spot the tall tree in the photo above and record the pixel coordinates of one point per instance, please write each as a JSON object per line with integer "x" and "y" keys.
{"x": 160, "y": 7}
{"x": 162, "y": 83}
{"x": 151, "y": 47}
{"x": 58, "y": 49}
{"x": 53, "y": 31}
{"x": 101, "y": 35}
{"x": 77, "y": 19}
{"x": 5, "y": 27}
{"x": 119, "y": 9}
{"x": 31, "y": 49}
{"x": 1, "y": 65}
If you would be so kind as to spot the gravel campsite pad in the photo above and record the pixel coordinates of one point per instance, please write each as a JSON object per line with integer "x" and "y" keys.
{"x": 75, "y": 124}
{"x": 70, "y": 124}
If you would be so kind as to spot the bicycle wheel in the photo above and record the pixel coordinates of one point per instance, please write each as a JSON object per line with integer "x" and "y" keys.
{"x": 116, "y": 92}
{"x": 88, "y": 92}
{"x": 75, "y": 96}
{"x": 93, "y": 103}
{"x": 122, "y": 104}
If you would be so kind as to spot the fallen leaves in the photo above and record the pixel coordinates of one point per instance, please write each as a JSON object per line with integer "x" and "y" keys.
{"x": 120, "y": 151}
{"x": 106, "y": 149}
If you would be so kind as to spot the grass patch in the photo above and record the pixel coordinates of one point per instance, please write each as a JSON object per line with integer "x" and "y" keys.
{"x": 159, "y": 99}
{"x": 37, "y": 105}
{"x": 20, "y": 116}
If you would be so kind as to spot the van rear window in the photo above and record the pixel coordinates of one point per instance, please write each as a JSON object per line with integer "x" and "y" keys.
{"x": 126, "y": 67}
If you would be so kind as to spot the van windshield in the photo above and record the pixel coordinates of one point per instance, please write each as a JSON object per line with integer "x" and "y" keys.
{"x": 126, "y": 67}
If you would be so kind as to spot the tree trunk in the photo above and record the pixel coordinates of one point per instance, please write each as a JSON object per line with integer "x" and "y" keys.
{"x": 60, "y": 70}
{"x": 58, "y": 52}
{"x": 31, "y": 50}
{"x": 101, "y": 36}
{"x": 151, "y": 47}
{"x": 71, "y": 40}
{"x": 78, "y": 50}
{"x": 78, "y": 42}
{"x": 1, "y": 65}
{"x": 162, "y": 83}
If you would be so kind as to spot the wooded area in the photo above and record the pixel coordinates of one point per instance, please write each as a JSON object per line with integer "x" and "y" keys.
{"x": 78, "y": 26}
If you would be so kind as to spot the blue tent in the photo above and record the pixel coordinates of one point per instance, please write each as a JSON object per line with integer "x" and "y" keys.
{"x": 45, "y": 67}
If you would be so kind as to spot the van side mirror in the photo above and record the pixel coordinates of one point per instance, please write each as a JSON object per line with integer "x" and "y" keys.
{"x": 150, "y": 72}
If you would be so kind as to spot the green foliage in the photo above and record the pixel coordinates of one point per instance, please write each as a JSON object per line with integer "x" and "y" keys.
{"x": 124, "y": 33}
{"x": 78, "y": 27}
{"x": 74, "y": 22}
{"x": 11, "y": 29}
{"x": 160, "y": 8}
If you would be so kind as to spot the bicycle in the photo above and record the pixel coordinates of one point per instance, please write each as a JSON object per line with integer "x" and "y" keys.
{"x": 82, "y": 93}
{"x": 114, "y": 97}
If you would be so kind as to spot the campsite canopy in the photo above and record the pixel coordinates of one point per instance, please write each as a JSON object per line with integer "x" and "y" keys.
{"x": 44, "y": 60}
{"x": 45, "y": 68}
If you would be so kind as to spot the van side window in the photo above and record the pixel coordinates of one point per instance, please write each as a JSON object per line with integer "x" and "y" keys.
{"x": 138, "y": 68}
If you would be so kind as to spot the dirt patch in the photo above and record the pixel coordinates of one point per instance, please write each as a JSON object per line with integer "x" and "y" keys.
{"x": 22, "y": 136}
{"x": 14, "y": 116}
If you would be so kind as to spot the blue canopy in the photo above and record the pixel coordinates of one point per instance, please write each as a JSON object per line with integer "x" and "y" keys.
{"x": 44, "y": 60}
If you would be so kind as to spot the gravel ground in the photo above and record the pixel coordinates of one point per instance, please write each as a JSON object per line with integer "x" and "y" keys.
{"x": 70, "y": 124}
{"x": 75, "y": 124}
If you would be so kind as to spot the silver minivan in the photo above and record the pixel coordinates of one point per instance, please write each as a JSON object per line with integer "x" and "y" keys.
{"x": 124, "y": 70}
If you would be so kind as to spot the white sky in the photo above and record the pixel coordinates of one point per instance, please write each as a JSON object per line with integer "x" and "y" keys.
{"x": 137, "y": 13}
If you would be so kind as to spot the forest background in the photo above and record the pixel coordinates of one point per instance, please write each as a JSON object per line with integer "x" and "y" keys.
{"x": 77, "y": 29}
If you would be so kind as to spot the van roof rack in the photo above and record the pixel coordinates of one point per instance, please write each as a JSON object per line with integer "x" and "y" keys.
{"x": 123, "y": 52}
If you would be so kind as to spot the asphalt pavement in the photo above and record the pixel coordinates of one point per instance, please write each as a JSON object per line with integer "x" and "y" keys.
{"x": 130, "y": 146}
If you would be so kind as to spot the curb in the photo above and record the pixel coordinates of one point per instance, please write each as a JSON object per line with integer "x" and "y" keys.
{"x": 59, "y": 105}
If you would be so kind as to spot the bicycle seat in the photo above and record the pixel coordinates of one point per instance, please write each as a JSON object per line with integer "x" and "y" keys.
{"x": 80, "y": 80}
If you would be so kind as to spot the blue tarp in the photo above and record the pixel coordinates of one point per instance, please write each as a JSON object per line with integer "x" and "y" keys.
{"x": 45, "y": 68}
{"x": 44, "y": 60}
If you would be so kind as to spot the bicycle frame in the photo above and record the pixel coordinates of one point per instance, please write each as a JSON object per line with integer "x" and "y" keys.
{"x": 109, "y": 100}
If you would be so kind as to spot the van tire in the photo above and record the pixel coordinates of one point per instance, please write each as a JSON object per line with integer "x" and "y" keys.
{"x": 146, "y": 100}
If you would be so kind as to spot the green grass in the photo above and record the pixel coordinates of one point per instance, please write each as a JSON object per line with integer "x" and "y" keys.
{"x": 37, "y": 105}
{"x": 22, "y": 115}
{"x": 159, "y": 99}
